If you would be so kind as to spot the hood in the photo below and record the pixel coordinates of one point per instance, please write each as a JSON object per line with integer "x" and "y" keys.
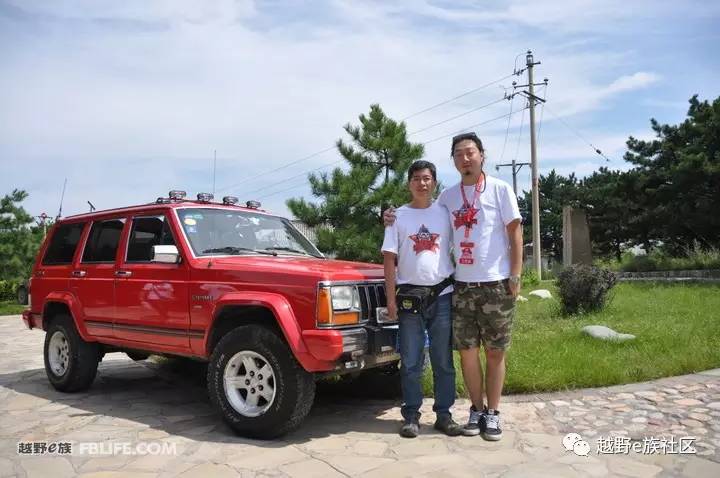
{"x": 311, "y": 267}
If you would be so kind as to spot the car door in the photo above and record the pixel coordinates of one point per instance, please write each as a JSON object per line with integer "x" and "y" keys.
{"x": 93, "y": 276}
{"x": 151, "y": 298}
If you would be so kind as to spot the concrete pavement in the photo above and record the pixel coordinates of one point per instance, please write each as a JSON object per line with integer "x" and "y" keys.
{"x": 120, "y": 426}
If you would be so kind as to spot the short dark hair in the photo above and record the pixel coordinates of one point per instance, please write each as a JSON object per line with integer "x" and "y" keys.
{"x": 462, "y": 137}
{"x": 419, "y": 165}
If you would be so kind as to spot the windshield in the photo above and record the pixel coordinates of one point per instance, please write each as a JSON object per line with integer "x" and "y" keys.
{"x": 228, "y": 232}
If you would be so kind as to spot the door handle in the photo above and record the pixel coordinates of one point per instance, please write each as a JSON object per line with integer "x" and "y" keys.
{"x": 123, "y": 273}
{"x": 39, "y": 273}
{"x": 79, "y": 273}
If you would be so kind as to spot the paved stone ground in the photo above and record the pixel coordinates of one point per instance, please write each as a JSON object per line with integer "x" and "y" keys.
{"x": 343, "y": 436}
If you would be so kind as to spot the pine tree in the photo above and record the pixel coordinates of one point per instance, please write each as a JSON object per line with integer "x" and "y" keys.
{"x": 348, "y": 219}
{"x": 556, "y": 191}
{"x": 19, "y": 241}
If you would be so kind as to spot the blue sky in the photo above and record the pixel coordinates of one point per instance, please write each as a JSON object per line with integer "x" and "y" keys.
{"x": 130, "y": 99}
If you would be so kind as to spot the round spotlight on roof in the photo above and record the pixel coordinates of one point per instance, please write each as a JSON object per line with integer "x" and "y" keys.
{"x": 230, "y": 200}
{"x": 253, "y": 204}
{"x": 205, "y": 197}
{"x": 177, "y": 195}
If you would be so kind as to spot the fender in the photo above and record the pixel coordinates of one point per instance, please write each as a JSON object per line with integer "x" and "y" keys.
{"x": 286, "y": 320}
{"x": 73, "y": 304}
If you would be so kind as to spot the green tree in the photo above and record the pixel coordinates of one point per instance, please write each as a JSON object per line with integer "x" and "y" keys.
{"x": 615, "y": 221}
{"x": 19, "y": 240}
{"x": 679, "y": 174}
{"x": 348, "y": 219}
{"x": 556, "y": 191}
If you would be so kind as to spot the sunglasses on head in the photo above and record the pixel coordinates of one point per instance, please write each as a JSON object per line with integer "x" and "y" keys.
{"x": 465, "y": 136}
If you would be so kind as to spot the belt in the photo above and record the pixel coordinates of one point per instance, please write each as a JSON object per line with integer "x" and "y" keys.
{"x": 481, "y": 284}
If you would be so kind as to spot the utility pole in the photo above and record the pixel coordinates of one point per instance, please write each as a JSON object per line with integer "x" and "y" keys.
{"x": 515, "y": 170}
{"x": 533, "y": 161}
{"x": 532, "y": 100}
{"x": 42, "y": 221}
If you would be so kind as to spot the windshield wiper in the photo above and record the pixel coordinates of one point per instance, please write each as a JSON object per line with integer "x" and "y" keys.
{"x": 237, "y": 250}
{"x": 289, "y": 249}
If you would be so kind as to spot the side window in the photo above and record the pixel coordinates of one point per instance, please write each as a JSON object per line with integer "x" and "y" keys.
{"x": 147, "y": 232}
{"x": 103, "y": 241}
{"x": 63, "y": 244}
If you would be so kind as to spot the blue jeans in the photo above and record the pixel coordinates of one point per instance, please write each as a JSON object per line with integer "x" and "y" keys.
{"x": 436, "y": 320}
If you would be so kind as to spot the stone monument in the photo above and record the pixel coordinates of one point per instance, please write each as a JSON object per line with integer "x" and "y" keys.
{"x": 576, "y": 237}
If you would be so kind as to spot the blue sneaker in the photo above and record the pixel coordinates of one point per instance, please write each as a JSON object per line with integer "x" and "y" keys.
{"x": 473, "y": 425}
{"x": 490, "y": 424}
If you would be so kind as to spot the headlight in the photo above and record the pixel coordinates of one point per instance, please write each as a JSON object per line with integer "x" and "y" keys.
{"x": 338, "y": 306}
{"x": 345, "y": 297}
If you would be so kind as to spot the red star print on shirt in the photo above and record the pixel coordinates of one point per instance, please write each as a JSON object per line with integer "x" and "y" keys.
{"x": 424, "y": 240}
{"x": 465, "y": 217}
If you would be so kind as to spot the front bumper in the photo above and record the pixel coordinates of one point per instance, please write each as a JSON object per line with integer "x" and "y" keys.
{"x": 367, "y": 346}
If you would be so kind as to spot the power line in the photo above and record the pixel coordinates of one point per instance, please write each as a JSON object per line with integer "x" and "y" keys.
{"x": 542, "y": 112}
{"x": 522, "y": 122}
{"x": 473, "y": 126}
{"x": 318, "y": 153}
{"x": 426, "y": 142}
{"x": 507, "y": 130}
{"x": 456, "y": 117}
{"x": 409, "y": 134}
{"x": 577, "y": 133}
{"x": 442, "y": 103}
{"x": 295, "y": 177}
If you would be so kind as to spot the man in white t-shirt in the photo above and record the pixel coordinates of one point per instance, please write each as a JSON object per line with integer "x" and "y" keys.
{"x": 419, "y": 241}
{"x": 487, "y": 240}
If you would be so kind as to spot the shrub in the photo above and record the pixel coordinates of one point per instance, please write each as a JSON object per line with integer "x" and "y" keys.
{"x": 530, "y": 278}
{"x": 693, "y": 257}
{"x": 584, "y": 288}
{"x": 8, "y": 289}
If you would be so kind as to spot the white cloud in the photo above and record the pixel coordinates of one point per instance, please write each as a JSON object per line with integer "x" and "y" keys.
{"x": 129, "y": 99}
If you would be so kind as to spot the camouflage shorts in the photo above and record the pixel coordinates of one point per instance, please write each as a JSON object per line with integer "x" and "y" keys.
{"x": 482, "y": 315}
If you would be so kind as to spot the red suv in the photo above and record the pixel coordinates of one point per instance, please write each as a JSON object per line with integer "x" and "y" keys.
{"x": 234, "y": 286}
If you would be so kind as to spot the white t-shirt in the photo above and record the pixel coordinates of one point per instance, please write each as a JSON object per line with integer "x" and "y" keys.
{"x": 484, "y": 255}
{"x": 421, "y": 238}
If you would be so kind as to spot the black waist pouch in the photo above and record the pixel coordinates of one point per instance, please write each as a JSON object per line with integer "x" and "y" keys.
{"x": 417, "y": 298}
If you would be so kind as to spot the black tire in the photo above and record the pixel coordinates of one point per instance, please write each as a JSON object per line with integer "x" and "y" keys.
{"x": 22, "y": 295}
{"x": 137, "y": 356}
{"x": 294, "y": 387}
{"x": 81, "y": 357}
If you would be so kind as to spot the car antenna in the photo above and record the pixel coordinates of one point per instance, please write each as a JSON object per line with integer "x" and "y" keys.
{"x": 62, "y": 198}
{"x": 92, "y": 208}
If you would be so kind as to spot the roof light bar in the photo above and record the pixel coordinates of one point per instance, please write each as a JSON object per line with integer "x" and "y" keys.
{"x": 177, "y": 195}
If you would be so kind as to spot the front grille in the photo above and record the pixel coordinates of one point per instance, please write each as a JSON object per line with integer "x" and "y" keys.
{"x": 371, "y": 296}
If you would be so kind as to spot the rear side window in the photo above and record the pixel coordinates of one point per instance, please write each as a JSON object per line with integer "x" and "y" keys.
{"x": 103, "y": 241}
{"x": 63, "y": 244}
{"x": 147, "y": 232}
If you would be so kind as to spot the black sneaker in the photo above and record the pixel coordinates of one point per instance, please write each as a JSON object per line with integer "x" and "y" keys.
{"x": 490, "y": 424}
{"x": 410, "y": 429}
{"x": 448, "y": 426}
{"x": 473, "y": 425}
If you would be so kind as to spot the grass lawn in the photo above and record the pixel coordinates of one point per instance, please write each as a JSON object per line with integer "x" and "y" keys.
{"x": 10, "y": 307}
{"x": 677, "y": 328}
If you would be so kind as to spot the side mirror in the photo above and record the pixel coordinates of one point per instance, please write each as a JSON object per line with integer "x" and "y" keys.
{"x": 166, "y": 254}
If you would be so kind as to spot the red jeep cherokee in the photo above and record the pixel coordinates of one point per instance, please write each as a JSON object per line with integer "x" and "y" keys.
{"x": 234, "y": 286}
